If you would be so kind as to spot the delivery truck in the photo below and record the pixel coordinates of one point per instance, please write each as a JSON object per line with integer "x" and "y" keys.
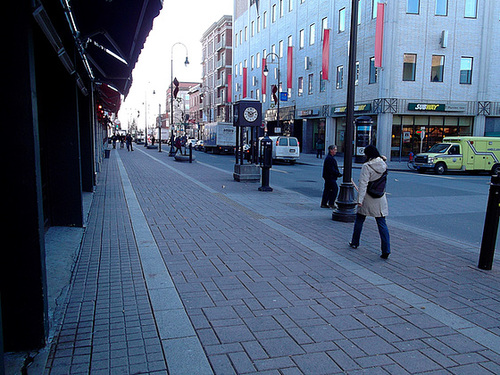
{"x": 219, "y": 137}
{"x": 461, "y": 154}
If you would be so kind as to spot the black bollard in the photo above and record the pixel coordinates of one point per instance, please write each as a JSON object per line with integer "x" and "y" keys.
{"x": 190, "y": 152}
{"x": 490, "y": 230}
{"x": 266, "y": 162}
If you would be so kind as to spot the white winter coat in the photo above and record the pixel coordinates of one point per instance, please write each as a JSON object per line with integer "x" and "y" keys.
{"x": 370, "y": 171}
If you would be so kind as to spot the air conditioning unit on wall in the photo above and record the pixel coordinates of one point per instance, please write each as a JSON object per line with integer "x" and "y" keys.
{"x": 443, "y": 41}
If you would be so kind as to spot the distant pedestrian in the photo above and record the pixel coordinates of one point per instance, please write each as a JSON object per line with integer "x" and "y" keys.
{"x": 153, "y": 139}
{"x": 178, "y": 145}
{"x": 128, "y": 141}
{"x": 113, "y": 138}
{"x": 372, "y": 169}
{"x": 330, "y": 174}
{"x": 320, "y": 146}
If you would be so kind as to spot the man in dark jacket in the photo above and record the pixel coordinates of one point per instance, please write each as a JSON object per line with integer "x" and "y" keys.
{"x": 330, "y": 174}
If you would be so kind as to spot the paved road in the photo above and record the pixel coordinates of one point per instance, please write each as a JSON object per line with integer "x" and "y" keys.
{"x": 450, "y": 206}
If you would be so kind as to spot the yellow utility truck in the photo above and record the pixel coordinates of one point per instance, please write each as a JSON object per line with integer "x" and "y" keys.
{"x": 461, "y": 154}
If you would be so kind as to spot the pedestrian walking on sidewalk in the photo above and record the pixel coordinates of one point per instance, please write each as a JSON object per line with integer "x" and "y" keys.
{"x": 320, "y": 146}
{"x": 330, "y": 174}
{"x": 128, "y": 141}
{"x": 372, "y": 169}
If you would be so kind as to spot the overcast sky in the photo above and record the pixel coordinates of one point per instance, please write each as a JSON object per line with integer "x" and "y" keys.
{"x": 182, "y": 21}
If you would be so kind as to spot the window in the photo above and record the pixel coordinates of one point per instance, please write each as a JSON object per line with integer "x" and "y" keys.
{"x": 246, "y": 33}
{"x": 302, "y": 1}
{"x": 357, "y": 74}
{"x": 301, "y": 39}
{"x": 409, "y": 66}
{"x": 300, "y": 86}
{"x": 374, "y": 8}
{"x": 466, "y": 70}
{"x": 312, "y": 32}
{"x": 310, "y": 84}
{"x": 257, "y": 63}
{"x": 359, "y": 12}
{"x": 324, "y": 26}
{"x": 252, "y": 28}
{"x": 281, "y": 8}
{"x": 273, "y": 13}
{"x": 373, "y": 71}
{"x": 470, "y": 9}
{"x": 290, "y": 41}
{"x": 322, "y": 82}
{"x": 413, "y": 6}
{"x": 280, "y": 48}
{"x": 340, "y": 77}
{"x": 258, "y": 24}
{"x": 290, "y": 5}
{"x": 437, "y": 68}
{"x": 252, "y": 62}
{"x": 273, "y": 52}
{"x": 264, "y": 20}
{"x": 341, "y": 20}
{"x": 441, "y": 7}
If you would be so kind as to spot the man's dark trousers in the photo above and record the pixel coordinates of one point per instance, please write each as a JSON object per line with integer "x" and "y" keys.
{"x": 329, "y": 193}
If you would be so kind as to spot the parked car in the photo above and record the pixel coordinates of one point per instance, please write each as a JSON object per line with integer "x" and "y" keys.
{"x": 198, "y": 146}
{"x": 285, "y": 148}
{"x": 191, "y": 141}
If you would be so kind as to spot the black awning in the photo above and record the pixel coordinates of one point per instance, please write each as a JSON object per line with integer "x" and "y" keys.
{"x": 113, "y": 33}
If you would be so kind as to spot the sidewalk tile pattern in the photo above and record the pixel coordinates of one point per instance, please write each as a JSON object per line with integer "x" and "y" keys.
{"x": 267, "y": 285}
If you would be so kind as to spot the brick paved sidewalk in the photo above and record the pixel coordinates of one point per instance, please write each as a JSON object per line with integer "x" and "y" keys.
{"x": 184, "y": 271}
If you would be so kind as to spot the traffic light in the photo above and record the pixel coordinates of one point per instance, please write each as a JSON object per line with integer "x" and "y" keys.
{"x": 176, "y": 89}
{"x": 274, "y": 90}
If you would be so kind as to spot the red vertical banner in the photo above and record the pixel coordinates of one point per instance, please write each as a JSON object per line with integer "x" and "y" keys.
{"x": 325, "y": 61}
{"x": 245, "y": 82}
{"x": 289, "y": 68}
{"x": 379, "y": 34}
{"x": 229, "y": 88}
{"x": 264, "y": 78}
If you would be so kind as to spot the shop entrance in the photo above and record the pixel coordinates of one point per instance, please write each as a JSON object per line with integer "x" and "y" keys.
{"x": 412, "y": 133}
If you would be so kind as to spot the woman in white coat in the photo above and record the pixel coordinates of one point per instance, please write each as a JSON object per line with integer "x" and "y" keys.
{"x": 371, "y": 170}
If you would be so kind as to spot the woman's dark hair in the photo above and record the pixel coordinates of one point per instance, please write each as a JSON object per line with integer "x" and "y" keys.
{"x": 371, "y": 152}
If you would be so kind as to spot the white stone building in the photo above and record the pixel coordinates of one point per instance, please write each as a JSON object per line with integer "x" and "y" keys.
{"x": 438, "y": 69}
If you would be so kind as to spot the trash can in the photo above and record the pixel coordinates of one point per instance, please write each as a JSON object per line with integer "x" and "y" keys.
{"x": 106, "y": 153}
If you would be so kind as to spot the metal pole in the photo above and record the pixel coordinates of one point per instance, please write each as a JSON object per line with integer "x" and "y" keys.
{"x": 159, "y": 127}
{"x": 146, "y": 118}
{"x": 279, "y": 94}
{"x": 490, "y": 225}
{"x": 172, "y": 151}
{"x": 346, "y": 205}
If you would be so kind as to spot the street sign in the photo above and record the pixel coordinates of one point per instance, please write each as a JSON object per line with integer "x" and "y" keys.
{"x": 283, "y": 96}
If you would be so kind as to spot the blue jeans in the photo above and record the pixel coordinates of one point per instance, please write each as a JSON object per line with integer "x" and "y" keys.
{"x": 382, "y": 230}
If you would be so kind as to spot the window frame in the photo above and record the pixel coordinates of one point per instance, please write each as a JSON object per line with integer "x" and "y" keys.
{"x": 341, "y": 20}
{"x": 440, "y": 3}
{"x": 339, "y": 81}
{"x": 413, "y": 5}
{"x": 312, "y": 34}
{"x": 372, "y": 71}
{"x": 468, "y": 4}
{"x": 468, "y": 80}
{"x": 412, "y": 65}
{"x": 437, "y": 69}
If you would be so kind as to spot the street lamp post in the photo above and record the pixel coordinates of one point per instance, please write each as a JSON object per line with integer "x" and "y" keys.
{"x": 159, "y": 127}
{"x": 266, "y": 72}
{"x": 346, "y": 206}
{"x": 172, "y": 151}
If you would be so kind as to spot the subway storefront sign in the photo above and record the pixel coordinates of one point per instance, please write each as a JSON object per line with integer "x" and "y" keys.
{"x": 426, "y": 107}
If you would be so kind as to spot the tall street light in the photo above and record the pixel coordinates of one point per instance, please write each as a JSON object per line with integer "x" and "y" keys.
{"x": 266, "y": 72}
{"x": 172, "y": 151}
{"x": 346, "y": 206}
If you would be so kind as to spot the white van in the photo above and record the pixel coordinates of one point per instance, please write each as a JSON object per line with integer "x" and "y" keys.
{"x": 285, "y": 148}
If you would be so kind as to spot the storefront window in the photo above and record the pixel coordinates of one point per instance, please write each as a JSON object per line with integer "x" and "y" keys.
{"x": 407, "y": 132}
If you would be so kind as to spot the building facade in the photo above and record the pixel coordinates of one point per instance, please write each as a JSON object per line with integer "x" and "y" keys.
{"x": 433, "y": 80}
{"x": 216, "y": 70}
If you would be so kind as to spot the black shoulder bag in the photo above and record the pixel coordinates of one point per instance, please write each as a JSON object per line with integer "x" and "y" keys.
{"x": 376, "y": 188}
